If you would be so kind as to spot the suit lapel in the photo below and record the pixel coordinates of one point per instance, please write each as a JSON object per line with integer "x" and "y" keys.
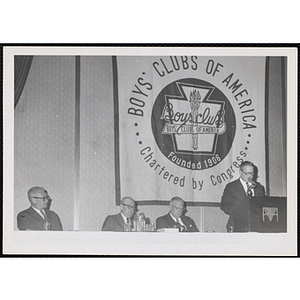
{"x": 258, "y": 191}
{"x": 120, "y": 220}
{"x": 170, "y": 220}
{"x": 241, "y": 188}
{"x": 184, "y": 221}
{"x": 34, "y": 214}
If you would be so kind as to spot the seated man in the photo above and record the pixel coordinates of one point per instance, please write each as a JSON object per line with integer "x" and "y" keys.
{"x": 117, "y": 222}
{"x": 175, "y": 218}
{"x": 38, "y": 216}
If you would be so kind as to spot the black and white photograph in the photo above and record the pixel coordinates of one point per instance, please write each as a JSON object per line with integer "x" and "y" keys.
{"x": 150, "y": 151}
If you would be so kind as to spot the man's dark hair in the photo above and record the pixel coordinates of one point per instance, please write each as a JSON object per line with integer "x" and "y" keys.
{"x": 246, "y": 163}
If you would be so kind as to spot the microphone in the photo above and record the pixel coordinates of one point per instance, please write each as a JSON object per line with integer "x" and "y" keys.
{"x": 254, "y": 184}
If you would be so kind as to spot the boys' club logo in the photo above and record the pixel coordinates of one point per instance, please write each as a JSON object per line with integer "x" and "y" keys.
{"x": 193, "y": 123}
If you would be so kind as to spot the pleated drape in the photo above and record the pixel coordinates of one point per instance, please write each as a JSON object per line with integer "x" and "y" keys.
{"x": 22, "y": 67}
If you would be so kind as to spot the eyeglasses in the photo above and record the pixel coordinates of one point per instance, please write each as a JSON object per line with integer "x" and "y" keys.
{"x": 129, "y": 206}
{"x": 47, "y": 198}
{"x": 248, "y": 173}
{"x": 179, "y": 208}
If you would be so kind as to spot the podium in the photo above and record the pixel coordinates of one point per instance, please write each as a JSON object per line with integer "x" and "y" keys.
{"x": 268, "y": 214}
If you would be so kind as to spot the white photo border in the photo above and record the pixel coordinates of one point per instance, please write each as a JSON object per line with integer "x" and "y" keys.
{"x": 147, "y": 244}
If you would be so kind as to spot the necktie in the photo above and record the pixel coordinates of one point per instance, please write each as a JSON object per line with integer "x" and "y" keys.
{"x": 127, "y": 225}
{"x": 47, "y": 224}
{"x": 249, "y": 191}
{"x": 180, "y": 227}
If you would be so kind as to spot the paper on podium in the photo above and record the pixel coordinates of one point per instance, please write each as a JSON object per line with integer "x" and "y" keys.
{"x": 168, "y": 230}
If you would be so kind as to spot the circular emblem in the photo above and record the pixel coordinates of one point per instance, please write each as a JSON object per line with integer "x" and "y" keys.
{"x": 193, "y": 124}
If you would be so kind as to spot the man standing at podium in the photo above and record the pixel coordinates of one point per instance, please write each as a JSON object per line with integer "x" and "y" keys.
{"x": 236, "y": 197}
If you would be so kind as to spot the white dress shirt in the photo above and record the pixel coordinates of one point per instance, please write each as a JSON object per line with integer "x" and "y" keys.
{"x": 178, "y": 220}
{"x": 39, "y": 212}
{"x": 125, "y": 219}
{"x": 244, "y": 183}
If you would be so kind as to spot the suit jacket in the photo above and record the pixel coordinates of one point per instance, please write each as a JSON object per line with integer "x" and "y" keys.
{"x": 235, "y": 203}
{"x": 113, "y": 223}
{"x": 29, "y": 219}
{"x": 167, "y": 221}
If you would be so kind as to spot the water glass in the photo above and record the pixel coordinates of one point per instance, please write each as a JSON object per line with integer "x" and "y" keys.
{"x": 127, "y": 227}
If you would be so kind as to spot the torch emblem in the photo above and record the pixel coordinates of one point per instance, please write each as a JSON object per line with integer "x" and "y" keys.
{"x": 195, "y": 101}
{"x": 193, "y": 123}
{"x": 193, "y": 119}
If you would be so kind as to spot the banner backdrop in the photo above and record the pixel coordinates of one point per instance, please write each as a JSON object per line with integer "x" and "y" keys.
{"x": 186, "y": 123}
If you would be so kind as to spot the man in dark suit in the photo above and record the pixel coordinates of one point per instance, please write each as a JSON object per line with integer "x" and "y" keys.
{"x": 175, "y": 218}
{"x": 236, "y": 197}
{"x": 123, "y": 219}
{"x": 38, "y": 216}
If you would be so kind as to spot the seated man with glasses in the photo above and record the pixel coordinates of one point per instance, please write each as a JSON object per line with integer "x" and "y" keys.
{"x": 38, "y": 216}
{"x": 236, "y": 197}
{"x": 124, "y": 218}
{"x": 175, "y": 218}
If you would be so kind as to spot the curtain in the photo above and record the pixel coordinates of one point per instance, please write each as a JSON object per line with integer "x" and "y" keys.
{"x": 22, "y": 67}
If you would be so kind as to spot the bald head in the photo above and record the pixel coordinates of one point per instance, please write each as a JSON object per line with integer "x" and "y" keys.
{"x": 128, "y": 207}
{"x": 35, "y": 190}
{"x": 177, "y": 206}
{"x": 176, "y": 199}
{"x": 127, "y": 200}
